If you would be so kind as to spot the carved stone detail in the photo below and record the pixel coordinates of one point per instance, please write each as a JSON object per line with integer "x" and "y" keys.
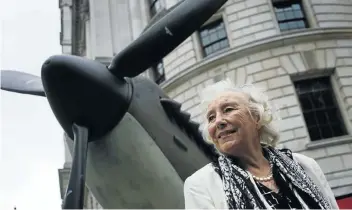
{"x": 80, "y": 14}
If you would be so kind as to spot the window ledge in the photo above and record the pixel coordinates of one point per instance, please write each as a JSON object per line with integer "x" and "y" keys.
{"x": 329, "y": 142}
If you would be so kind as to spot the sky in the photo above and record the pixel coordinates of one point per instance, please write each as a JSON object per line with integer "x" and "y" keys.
{"x": 31, "y": 149}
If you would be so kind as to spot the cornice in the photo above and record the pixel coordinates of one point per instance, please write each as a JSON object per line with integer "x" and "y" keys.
{"x": 314, "y": 34}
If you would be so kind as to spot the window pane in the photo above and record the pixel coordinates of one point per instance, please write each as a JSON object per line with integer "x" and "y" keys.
{"x": 213, "y": 37}
{"x": 314, "y": 133}
{"x": 204, "y": 33}
{"x": 224, "y": 43}
{"x": 205, "y": 40}
{"x": 221, "y": 34}
{"x": 289, "y": 15}
{"x": 296, "y": 7}
{"x": 158, "y": 73}
{"x": 301, "y": 24}
{"x": 310, "y": 118}
{"x": 281, "y": 16}
{"x": 327, "y": 99}
{"x": 326, "y": 132}
{"x": 322, "y": 117}
{"x": 216, "y": 46}
{"x": 306, "y": 102}
{"x": 221, "y": 26}
{"x": 283, "y": 26}
{"x": 338, "y": 130}
{"x": 160, "y": 69}
{"x": 292, "y": 25}
{"x": 332, "y": 115}
{"x": 298, "y": 14}
{"x": 304, "y": 87}
{"x": 208, "y": 50}
{"x": 315, "y": 96}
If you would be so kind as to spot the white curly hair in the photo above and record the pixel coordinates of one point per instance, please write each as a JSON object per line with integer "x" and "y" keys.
{"x": 259, "y": 105}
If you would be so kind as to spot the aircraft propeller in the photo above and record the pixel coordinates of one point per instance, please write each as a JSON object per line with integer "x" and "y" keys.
{"x": 88, "y": 98}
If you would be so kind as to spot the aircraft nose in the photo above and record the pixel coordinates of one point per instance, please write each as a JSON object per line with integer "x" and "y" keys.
{"x": 84, "y": 92}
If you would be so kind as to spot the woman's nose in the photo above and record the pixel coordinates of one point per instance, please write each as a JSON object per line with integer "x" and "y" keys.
{"x": 221, "y": 123}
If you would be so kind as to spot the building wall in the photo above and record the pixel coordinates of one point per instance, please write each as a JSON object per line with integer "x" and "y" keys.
{"x": 334, "y": 13}
{"x": 260, "y": 54}
{"x": 253, "y": 21}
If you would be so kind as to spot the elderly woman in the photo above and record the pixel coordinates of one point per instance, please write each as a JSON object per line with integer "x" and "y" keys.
{"x": 250, "y": 172}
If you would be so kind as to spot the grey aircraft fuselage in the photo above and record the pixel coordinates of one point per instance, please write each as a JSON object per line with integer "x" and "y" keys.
{"x": 143, "y": 161}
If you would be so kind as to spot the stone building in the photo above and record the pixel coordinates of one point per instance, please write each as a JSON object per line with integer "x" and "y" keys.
{"x": 299, "y": 51}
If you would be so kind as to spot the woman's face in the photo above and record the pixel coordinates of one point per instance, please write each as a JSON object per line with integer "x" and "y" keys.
{"x": 230, "y": 124}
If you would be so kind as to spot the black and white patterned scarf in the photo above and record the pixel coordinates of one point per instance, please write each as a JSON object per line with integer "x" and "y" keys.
{"x": 240, "y": 192}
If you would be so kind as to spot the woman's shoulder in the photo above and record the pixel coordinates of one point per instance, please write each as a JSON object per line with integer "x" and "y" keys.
{"x": 203, "y": 190}
{"x": 313, "y": 169}
{"x": 298, "y": 157}
{"x": 303, "y": 158}
{"x": 310, "y": 166}
{"x": 203, "y": 174}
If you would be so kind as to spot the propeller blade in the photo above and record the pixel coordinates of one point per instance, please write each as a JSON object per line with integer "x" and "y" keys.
{"x": 20, "y": 82}
{"x": 163, "y": 36}
{"x": 74, "y": 197}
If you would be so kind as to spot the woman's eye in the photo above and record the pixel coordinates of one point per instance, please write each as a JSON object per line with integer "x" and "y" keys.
{"x": 210, "y": 118}
{"x": 228, "y": 109}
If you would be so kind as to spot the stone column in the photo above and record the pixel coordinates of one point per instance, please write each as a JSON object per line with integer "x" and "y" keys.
{"x": 66, "y": 25}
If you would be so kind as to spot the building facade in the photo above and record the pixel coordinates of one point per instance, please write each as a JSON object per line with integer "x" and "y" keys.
{"x": 299, "y": 51}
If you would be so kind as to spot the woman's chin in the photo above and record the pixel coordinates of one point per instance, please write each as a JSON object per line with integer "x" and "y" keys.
{"x": 229, "y": 146}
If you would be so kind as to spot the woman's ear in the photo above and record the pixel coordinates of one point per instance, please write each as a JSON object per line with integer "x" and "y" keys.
{"x": 257, "y": 120}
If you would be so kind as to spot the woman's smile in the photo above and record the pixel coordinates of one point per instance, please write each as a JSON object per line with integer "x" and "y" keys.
{"x": 227, "y": 133}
